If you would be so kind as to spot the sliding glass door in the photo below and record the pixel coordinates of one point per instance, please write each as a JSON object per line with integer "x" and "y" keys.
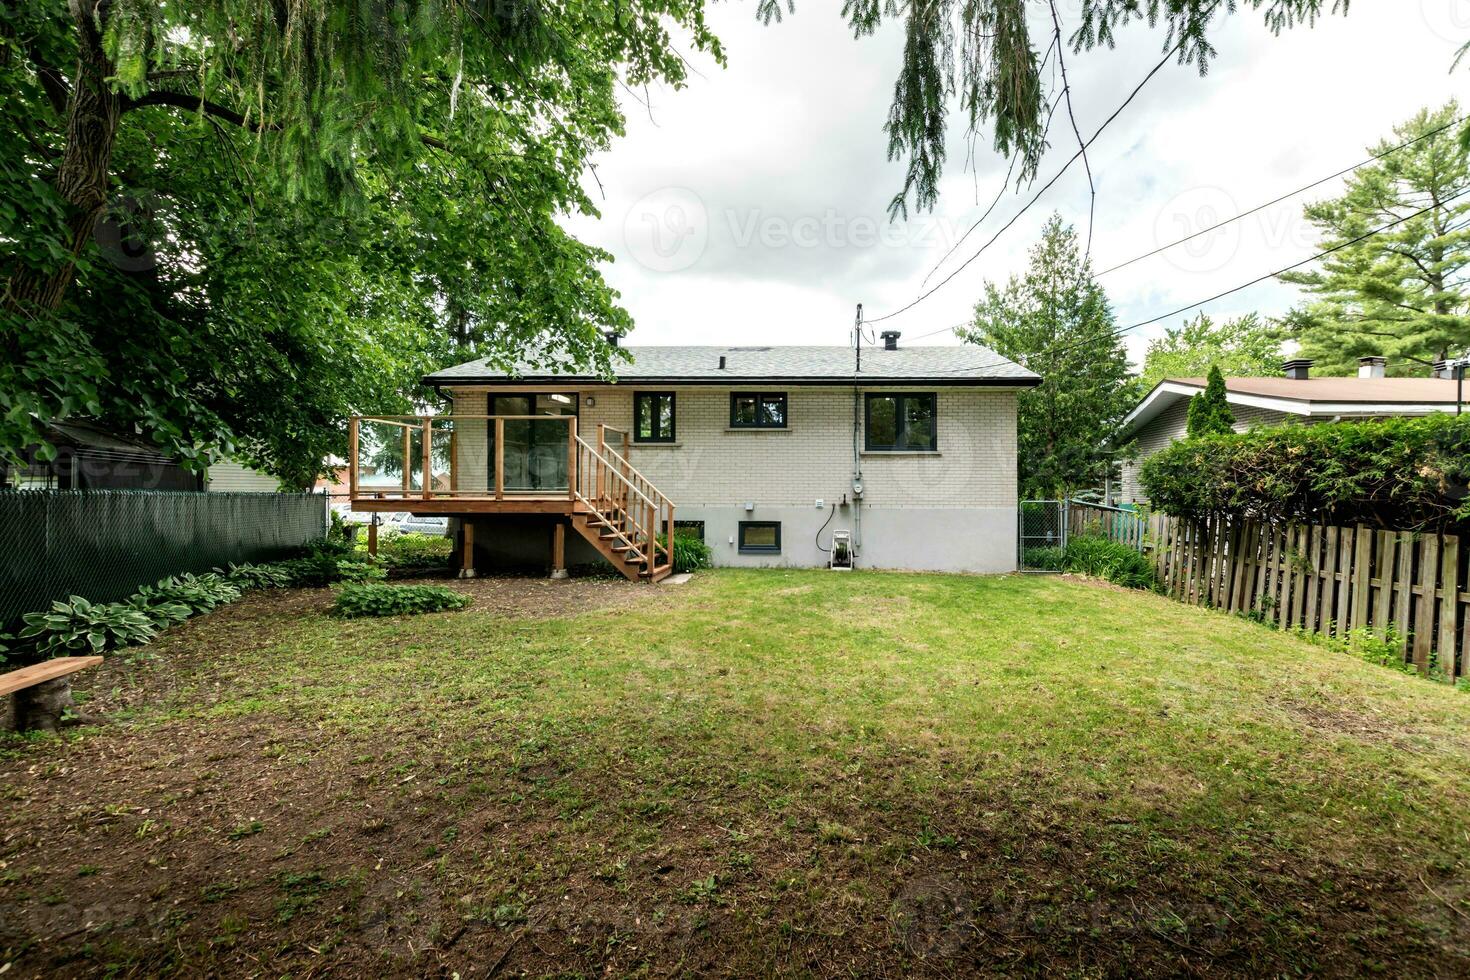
{"x": 535, "y": 449}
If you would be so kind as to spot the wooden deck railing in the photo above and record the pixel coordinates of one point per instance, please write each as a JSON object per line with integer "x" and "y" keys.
{"x": 598, "y": 477}
{"x": 438, "y": 438}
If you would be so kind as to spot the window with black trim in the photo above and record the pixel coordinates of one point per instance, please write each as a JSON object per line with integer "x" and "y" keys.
{"x": 904, "y": 422}
{"x": 760, "y": 537}
{"x": 653, "y": 416}
{"x": 752, "y": 410}
{"x": 695, "y": 529}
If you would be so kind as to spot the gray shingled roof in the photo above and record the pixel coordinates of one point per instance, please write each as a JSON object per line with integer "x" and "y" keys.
{"x": 967, "y": 364}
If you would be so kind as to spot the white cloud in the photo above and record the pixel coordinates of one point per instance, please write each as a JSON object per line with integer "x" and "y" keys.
{"x": 779, "y": 162}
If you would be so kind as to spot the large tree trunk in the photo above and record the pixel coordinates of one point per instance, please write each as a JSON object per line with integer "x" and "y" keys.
{"x": 86, "y": 162}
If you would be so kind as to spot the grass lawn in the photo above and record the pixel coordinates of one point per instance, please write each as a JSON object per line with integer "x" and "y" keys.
{"x": 761, "y": 772}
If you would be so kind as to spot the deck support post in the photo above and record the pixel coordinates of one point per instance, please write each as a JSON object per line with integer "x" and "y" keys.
{"x": 559, "y": 550}
{"x": 373, "y": 537}
{"x": 467, "y": 549}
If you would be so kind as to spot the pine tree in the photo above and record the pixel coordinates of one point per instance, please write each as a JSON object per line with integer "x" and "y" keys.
{"x": 1400, "y": 294}
{"x": 1209, "y": 411}
{"x": 1056, "y": 320}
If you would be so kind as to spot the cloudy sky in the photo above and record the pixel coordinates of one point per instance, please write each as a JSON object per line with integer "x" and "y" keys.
{"x": 750, "y": 206}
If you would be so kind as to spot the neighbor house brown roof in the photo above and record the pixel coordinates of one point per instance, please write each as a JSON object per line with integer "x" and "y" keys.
{"x": 1310, "y": 397}
{"x": 1377, "y": 390}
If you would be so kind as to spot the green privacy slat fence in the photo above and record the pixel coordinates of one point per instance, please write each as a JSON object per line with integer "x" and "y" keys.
{"x": 104, "y": 544}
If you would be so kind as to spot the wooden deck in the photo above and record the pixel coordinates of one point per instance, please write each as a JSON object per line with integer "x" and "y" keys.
{"x": 442, "y": 505}
{"x": 609, "y": 503}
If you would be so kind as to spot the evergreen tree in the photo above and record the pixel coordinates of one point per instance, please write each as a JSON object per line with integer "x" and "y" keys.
{"x": 1244, "y": 347}
{"x": 1400, "y": 294}
{"x": 1056, "y": 320}
{"x": 1209, "y": 411}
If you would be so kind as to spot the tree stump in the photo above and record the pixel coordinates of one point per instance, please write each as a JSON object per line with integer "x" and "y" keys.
{"x": 44, "y": 707}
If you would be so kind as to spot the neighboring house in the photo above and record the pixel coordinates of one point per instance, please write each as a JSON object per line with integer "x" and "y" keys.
{"x": 228, "y": 476}
{"x": 90, "y": 458}
{"x": 1161, "y": 417}
{"x": 765, "y": 451}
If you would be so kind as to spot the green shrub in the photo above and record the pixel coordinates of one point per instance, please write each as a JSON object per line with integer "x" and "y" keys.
{"x": 691, "y": 553}
{"x": 77, "y": 626}
{"x": 200, "y": 593}
{"x": 1044, "y": 558}
{"x": 1364, "y": 643}
{"x": 375, "y": 599}
{"x": 404, "y": 551}
{"x": 1404, "y": 473}
{"x": 1099, "y": 557}
{"x": 248, "y": 576}
{"x": 321, "y": 567}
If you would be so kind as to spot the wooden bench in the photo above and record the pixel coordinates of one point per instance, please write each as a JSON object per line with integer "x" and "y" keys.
{"x": 41, "y": 693}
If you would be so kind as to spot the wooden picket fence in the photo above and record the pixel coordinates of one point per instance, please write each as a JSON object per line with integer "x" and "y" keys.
{"x": 1327, "y": 580}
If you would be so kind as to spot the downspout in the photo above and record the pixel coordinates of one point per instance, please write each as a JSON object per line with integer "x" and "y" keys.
{"x": 857, "y": 465}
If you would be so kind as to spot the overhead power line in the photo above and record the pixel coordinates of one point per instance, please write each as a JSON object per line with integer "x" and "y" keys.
{"x": 1037, "y": 196}
{"x": 1118, "y": 332}
{"x": 1287, "y": 196}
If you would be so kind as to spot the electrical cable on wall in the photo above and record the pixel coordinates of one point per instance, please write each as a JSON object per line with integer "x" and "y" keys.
{"x": 818, "y": 538}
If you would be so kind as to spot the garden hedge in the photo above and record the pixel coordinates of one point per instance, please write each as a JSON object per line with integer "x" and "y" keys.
{"x": 1403, "y": 474}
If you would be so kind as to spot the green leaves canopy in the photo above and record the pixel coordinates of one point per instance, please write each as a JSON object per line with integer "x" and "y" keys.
{"x": 230, "y": 224}
{"x": 1245, "y": 347}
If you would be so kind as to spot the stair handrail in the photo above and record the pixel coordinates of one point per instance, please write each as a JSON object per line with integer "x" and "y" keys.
{"x": 646, "y": 481}
{"x": 601, "y": 453}
{"x": 613, "y": 470}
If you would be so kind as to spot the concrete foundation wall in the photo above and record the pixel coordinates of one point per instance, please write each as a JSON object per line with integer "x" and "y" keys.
{"x": 920, "y": 539}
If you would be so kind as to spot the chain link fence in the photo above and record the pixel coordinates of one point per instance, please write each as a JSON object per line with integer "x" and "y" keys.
{"x": 104, "y": 544}
{"x": 1042, "y": 527}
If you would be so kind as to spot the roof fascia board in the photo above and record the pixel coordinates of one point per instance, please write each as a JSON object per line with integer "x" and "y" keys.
{"x": 561, "y": 383}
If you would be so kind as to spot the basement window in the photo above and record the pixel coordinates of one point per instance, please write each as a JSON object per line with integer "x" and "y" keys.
{"x": 901, "y": 423}
{"x": 757, "y": 411}
{"x": 760, "y": 537}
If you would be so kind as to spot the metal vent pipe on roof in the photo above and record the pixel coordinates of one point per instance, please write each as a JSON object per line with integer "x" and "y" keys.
{"x": 1372, "y": 367}
{"x": 1298, "y": 368}
{"x": 890, "y": 339}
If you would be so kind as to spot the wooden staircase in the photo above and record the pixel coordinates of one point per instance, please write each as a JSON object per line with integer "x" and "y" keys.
{"x": 620, "y": 513}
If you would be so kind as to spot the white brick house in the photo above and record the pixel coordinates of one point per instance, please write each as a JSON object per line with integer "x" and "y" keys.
{"x": 765, "y": 451}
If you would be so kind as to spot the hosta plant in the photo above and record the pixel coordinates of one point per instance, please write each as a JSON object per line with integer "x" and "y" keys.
{"x": 77, "y": 626}
{"x": 248, "y": 576}
{"x": 375, "y": 599}
{"x": 200, "y": 593}
{"x": 161, "y": 614}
